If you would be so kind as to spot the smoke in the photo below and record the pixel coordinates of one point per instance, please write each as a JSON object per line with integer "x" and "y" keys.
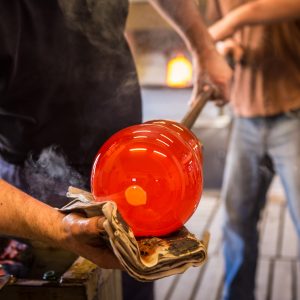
{"x": 127, "y": 86}
{"x": 49, "y": 176}
{"x": 101, "y": 21}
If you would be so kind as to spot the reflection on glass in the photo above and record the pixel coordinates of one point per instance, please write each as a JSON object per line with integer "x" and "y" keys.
{"x": 154, "y": 175}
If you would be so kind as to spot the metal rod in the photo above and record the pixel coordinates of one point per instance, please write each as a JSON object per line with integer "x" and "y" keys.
{"x": 191, "y": 116}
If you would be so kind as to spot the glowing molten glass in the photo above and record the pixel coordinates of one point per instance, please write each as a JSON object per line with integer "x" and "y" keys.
{"x": 153, "y": 172}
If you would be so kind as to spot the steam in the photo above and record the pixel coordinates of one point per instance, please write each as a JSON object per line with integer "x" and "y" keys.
{"x": 101, "y": 21}
{"x": 49, "y": 176}
{"x": 127, "y": 86}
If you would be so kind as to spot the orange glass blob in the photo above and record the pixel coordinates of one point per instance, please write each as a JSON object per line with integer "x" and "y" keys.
{"x": 153, "y": 174}
{"x": 184, "y": 133}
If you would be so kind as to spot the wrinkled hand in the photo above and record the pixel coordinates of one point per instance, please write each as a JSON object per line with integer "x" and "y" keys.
{"x": 215, "y": 73}
{"x": 82, "y": 238}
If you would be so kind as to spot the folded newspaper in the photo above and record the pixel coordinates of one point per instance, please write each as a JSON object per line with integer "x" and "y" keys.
{"x": 144, "y": 258}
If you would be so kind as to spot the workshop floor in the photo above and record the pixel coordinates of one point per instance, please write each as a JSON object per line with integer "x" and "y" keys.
{"x": 278, "y": 275}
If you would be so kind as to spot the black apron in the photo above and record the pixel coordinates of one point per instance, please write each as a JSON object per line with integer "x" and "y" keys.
{"x": 67, "y": 83}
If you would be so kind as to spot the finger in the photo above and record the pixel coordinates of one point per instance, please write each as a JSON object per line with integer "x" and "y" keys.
{"x": 82, "y": 227}
{"x": 92, "y": 226}
{"x": 100, "y": 223}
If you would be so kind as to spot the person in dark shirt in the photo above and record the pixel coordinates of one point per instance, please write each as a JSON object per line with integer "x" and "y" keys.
{"x": 68, "y": 82}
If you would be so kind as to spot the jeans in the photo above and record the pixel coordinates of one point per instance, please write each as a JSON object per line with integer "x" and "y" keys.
{"x": 259, "y": 148}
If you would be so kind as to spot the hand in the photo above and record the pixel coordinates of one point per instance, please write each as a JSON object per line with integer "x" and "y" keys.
{"x": 212, "y": 71}
{"x": 83, "y": 238}
{"x": 230, "y": 48}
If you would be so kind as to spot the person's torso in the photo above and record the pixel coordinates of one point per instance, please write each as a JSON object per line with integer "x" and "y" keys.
{"x": 267, "y": 81}
{"x": 67, "y": 78}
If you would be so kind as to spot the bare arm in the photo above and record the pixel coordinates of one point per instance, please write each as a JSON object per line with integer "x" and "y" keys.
{"x": 23, "y": 216}
{"x": 209, "y": 66}
{"x": 255, "y": 13}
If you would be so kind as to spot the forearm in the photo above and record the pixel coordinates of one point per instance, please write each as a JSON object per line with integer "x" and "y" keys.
{"x": 255, "y": 13}
{"x": 209, "y": 67}
{"x": 267, "y": 11}
{"x": 185, "y": 18}
{"x": 23, "y": 216}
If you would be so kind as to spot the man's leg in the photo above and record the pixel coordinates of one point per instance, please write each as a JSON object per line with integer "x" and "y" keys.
{"x": 284, "y": 145}
{"x": 248, "y": 174}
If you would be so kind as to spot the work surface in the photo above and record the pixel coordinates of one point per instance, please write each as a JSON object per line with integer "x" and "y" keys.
{"x": 278, "y": 275}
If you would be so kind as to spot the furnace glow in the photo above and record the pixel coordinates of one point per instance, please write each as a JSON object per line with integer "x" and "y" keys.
{"x": 179, "y": 72}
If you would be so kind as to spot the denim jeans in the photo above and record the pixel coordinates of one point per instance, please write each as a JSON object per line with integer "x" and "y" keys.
{"x": 259, "y": 148}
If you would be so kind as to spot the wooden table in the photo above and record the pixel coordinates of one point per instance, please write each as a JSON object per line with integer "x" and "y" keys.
{"x": 82, "y": 281}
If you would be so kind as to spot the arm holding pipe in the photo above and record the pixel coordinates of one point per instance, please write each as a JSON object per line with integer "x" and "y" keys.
{"x": 209, "y": 66}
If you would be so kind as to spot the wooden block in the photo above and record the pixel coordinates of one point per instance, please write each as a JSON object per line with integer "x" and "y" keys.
{"x": 82, "y": 281}
{"x": 34, "y": 290}
{"x": 96, "y": 281}
{"x": 80, "y": 271}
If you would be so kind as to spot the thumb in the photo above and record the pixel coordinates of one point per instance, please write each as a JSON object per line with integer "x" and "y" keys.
{"x": 100, "y": 222}
{"x": 94, "y": 225}
{"x": 91, "y": 226}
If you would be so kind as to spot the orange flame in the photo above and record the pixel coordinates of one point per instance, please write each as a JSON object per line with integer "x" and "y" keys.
{"x": 179, "y": 72}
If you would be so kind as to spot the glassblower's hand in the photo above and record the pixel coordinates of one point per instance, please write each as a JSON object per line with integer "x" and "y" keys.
{"x": 82, "y": 236}
{"x": 35, "y": 220}
{"x": 213, "y": 72}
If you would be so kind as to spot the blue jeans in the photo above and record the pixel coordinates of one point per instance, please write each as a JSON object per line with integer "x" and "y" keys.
{"x": 259, "y": 148}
